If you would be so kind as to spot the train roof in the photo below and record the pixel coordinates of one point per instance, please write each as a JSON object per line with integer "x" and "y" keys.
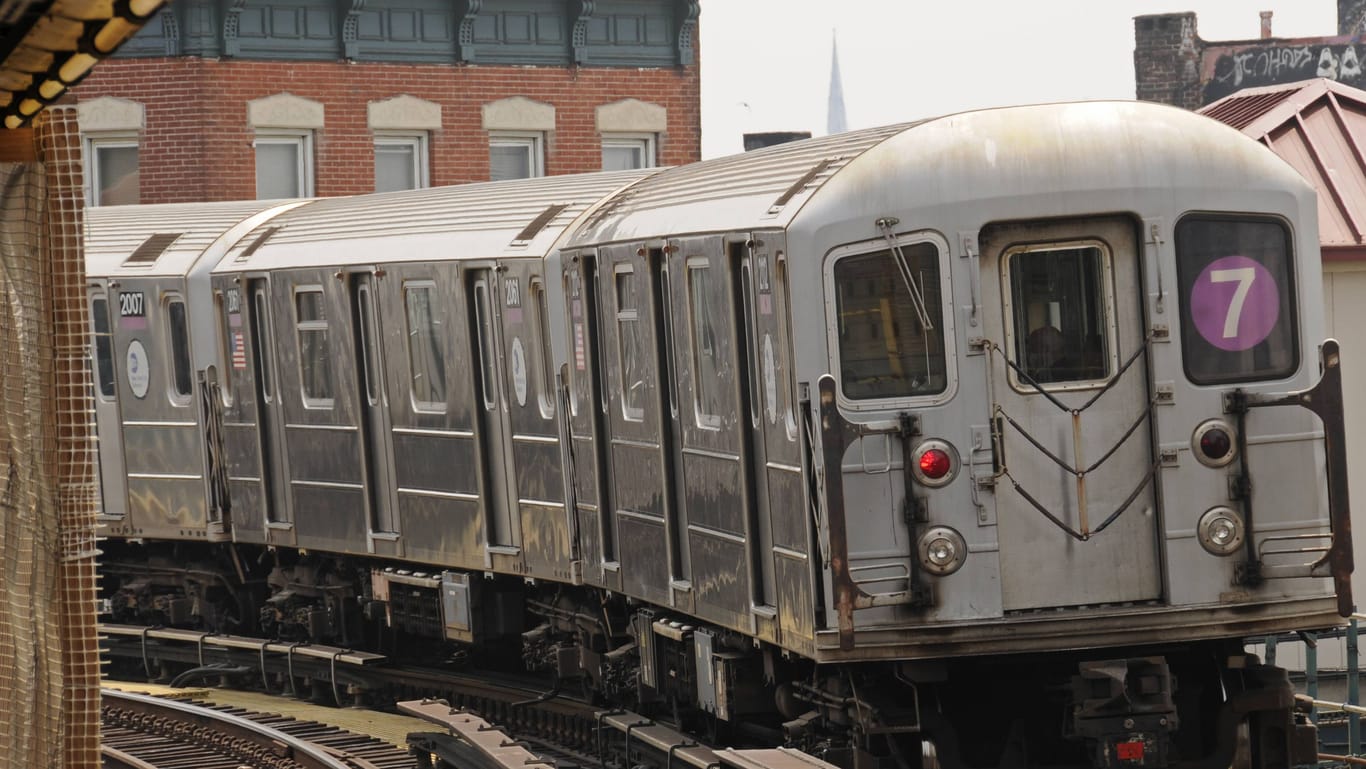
{"x": 1009, "y": 152}
{"x": 162, "y": 239}
{"x": 484, "y": 220}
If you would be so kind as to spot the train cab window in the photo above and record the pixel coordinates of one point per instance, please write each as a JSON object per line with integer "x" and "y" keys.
{"x": 104, "y": 347}
{"x": 1059, "y": 302}
{"x": 885, "y": 350}
{"x": 1237, "y": 297}
{"x": 426, "y": 352}
{"x": 181, "y": 381}
{"x": 540, "y": 352}
{"x": 315, "y": 364}
{"x": 632, "y": 346}
{"x": 230, "y": 350}
{"x": 707, "y": 357}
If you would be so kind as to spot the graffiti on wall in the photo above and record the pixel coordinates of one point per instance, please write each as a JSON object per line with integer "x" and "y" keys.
{"x": 1274, "y": 65}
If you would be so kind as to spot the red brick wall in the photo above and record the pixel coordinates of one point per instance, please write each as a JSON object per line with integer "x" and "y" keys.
{"x": 196, "y": 144}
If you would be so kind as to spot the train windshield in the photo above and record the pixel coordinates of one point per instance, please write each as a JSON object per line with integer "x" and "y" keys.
{"x": 885, "y": 351}
{"x": 1060, "y": 313}
{"x": 1237, "y": 299}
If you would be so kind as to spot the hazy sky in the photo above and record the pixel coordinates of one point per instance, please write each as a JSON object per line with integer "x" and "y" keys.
{"x": 766, "y": 63}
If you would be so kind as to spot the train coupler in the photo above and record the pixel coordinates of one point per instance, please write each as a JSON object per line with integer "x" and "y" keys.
{"x": 1124, "y": 710}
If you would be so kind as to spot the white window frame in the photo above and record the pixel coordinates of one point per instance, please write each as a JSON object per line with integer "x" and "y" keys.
{"x": 303, "y": 139}
{"x": 533, "y": 141}
{"x": 645, "y": 142}
{"x": 91, "y": 145}
{"x": 418, "y": 141}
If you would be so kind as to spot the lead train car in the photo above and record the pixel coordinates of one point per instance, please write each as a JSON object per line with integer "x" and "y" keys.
{"x": 864, "y": 435}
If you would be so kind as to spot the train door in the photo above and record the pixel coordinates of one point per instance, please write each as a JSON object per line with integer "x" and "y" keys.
{"x": 586, "y": 413}
{"x": 376, "y": 430}
{"x": 639, "y": 428}
{"x": 499, "y": 485}
{"x": 538, "y": 484}
{"x": 732, "y": 576}
{"x": 269, "y": 413}
{"x": 784, "y": 531}
{"x": 108, "y": 427}
{"x": 1069, "y": 382}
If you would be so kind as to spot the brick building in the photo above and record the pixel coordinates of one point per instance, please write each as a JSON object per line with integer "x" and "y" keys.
{"x": 1174, "y": 66}
{"x": 282, "y": 98}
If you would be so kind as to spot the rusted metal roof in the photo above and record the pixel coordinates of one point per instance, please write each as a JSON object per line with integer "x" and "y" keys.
{"x": 47, "y": 46}
{"x": 1319, "y": 128}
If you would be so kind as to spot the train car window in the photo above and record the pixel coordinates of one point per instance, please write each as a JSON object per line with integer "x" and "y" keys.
{"x": 782, "y": 373}
{"x": 369, "y": 344}
{"x": 426, "y": 353}
{"x": 487, "y": 363}
{"x": 1237, "y": 299}
{"x": 259, "y": 334}
{"x": 228, "y": 350}
{"x": 707, "y": 360}
{"x": 315, "y": 363}
{"x": 180, "y": 350}
{"x": 104, "y": 347}
{"x": 540, "y": 350}
{"x": 885, "y": 352}
{"x": 574, "y": 308}
{"x": 629, "y": 338}
{"x": 1059, "y": 304}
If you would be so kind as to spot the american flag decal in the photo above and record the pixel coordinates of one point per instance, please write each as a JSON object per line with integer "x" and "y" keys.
{"x": 239, "y": 351}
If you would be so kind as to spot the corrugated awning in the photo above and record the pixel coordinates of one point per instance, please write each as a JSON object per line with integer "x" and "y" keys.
{"x": 1319, "y": 128}
{"x": 47, "y": 46}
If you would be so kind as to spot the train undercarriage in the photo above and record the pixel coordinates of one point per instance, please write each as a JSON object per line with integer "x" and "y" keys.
{"x": 1204, "y": 705}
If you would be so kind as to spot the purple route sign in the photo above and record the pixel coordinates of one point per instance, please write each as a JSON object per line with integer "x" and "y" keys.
{"x": 1235, "y": 303}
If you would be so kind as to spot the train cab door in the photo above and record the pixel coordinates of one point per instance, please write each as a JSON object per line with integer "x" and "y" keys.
{"x": 639, "y": 422}
{"x": 1069, "y": 383}
{"x": 367, "y": 322}
{"x": 108, "y": 424}
{"x": 586, "y": 408}
{"x": 536, "y": 468}
{"x": 482, "y": 285}
{"x": 727, "y": 537}
{"x": 269, "y": 412}
{"x": 782, "y": 520}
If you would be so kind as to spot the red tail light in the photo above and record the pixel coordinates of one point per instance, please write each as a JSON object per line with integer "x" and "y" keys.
{"x": 935, "y": 464}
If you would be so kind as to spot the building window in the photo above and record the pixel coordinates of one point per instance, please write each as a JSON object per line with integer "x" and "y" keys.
{"x": 284, "y": 165}
{"x": 623, "y": 153}
{"x": 516, "y": 156}
{"x": 400, "y": 162}
{"x": 113, "y": 165}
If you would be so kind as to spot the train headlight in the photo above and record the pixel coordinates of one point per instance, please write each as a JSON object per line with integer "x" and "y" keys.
{"x": 1213, "y": 444}
{"x": 1221, "y": 531}
{"x": 942, "y": 550}
{"x": 934, "y": 463}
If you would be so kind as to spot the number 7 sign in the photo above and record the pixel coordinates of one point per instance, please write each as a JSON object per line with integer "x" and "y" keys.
{"x": 1235, "y": 303}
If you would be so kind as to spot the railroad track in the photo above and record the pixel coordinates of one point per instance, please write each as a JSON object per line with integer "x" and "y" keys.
{"x": 551, "y": 729}
{"x": 142, "y": 732}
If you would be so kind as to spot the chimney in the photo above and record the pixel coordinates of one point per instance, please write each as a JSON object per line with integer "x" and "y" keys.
{"x": 1266, "y": 25}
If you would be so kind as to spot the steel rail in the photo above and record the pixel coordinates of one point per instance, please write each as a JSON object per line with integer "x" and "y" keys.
{"x": 300, "y": 751}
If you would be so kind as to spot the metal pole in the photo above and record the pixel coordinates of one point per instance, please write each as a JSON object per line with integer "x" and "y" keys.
{"x": 1311, "y": 670}
{"x": 1271, "y": 650}
{"x": 1353, "y": 690}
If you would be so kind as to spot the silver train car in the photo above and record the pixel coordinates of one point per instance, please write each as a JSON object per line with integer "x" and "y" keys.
{"x": 996, "y": 432}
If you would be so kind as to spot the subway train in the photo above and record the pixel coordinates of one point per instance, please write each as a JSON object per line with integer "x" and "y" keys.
{"x": 988, "y": 437}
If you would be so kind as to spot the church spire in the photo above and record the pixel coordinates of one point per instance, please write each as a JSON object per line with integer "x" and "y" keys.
{"x": 835, "y": 121}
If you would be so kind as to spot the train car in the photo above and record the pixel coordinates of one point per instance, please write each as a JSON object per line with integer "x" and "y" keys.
{"x": 946, "y": 433}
